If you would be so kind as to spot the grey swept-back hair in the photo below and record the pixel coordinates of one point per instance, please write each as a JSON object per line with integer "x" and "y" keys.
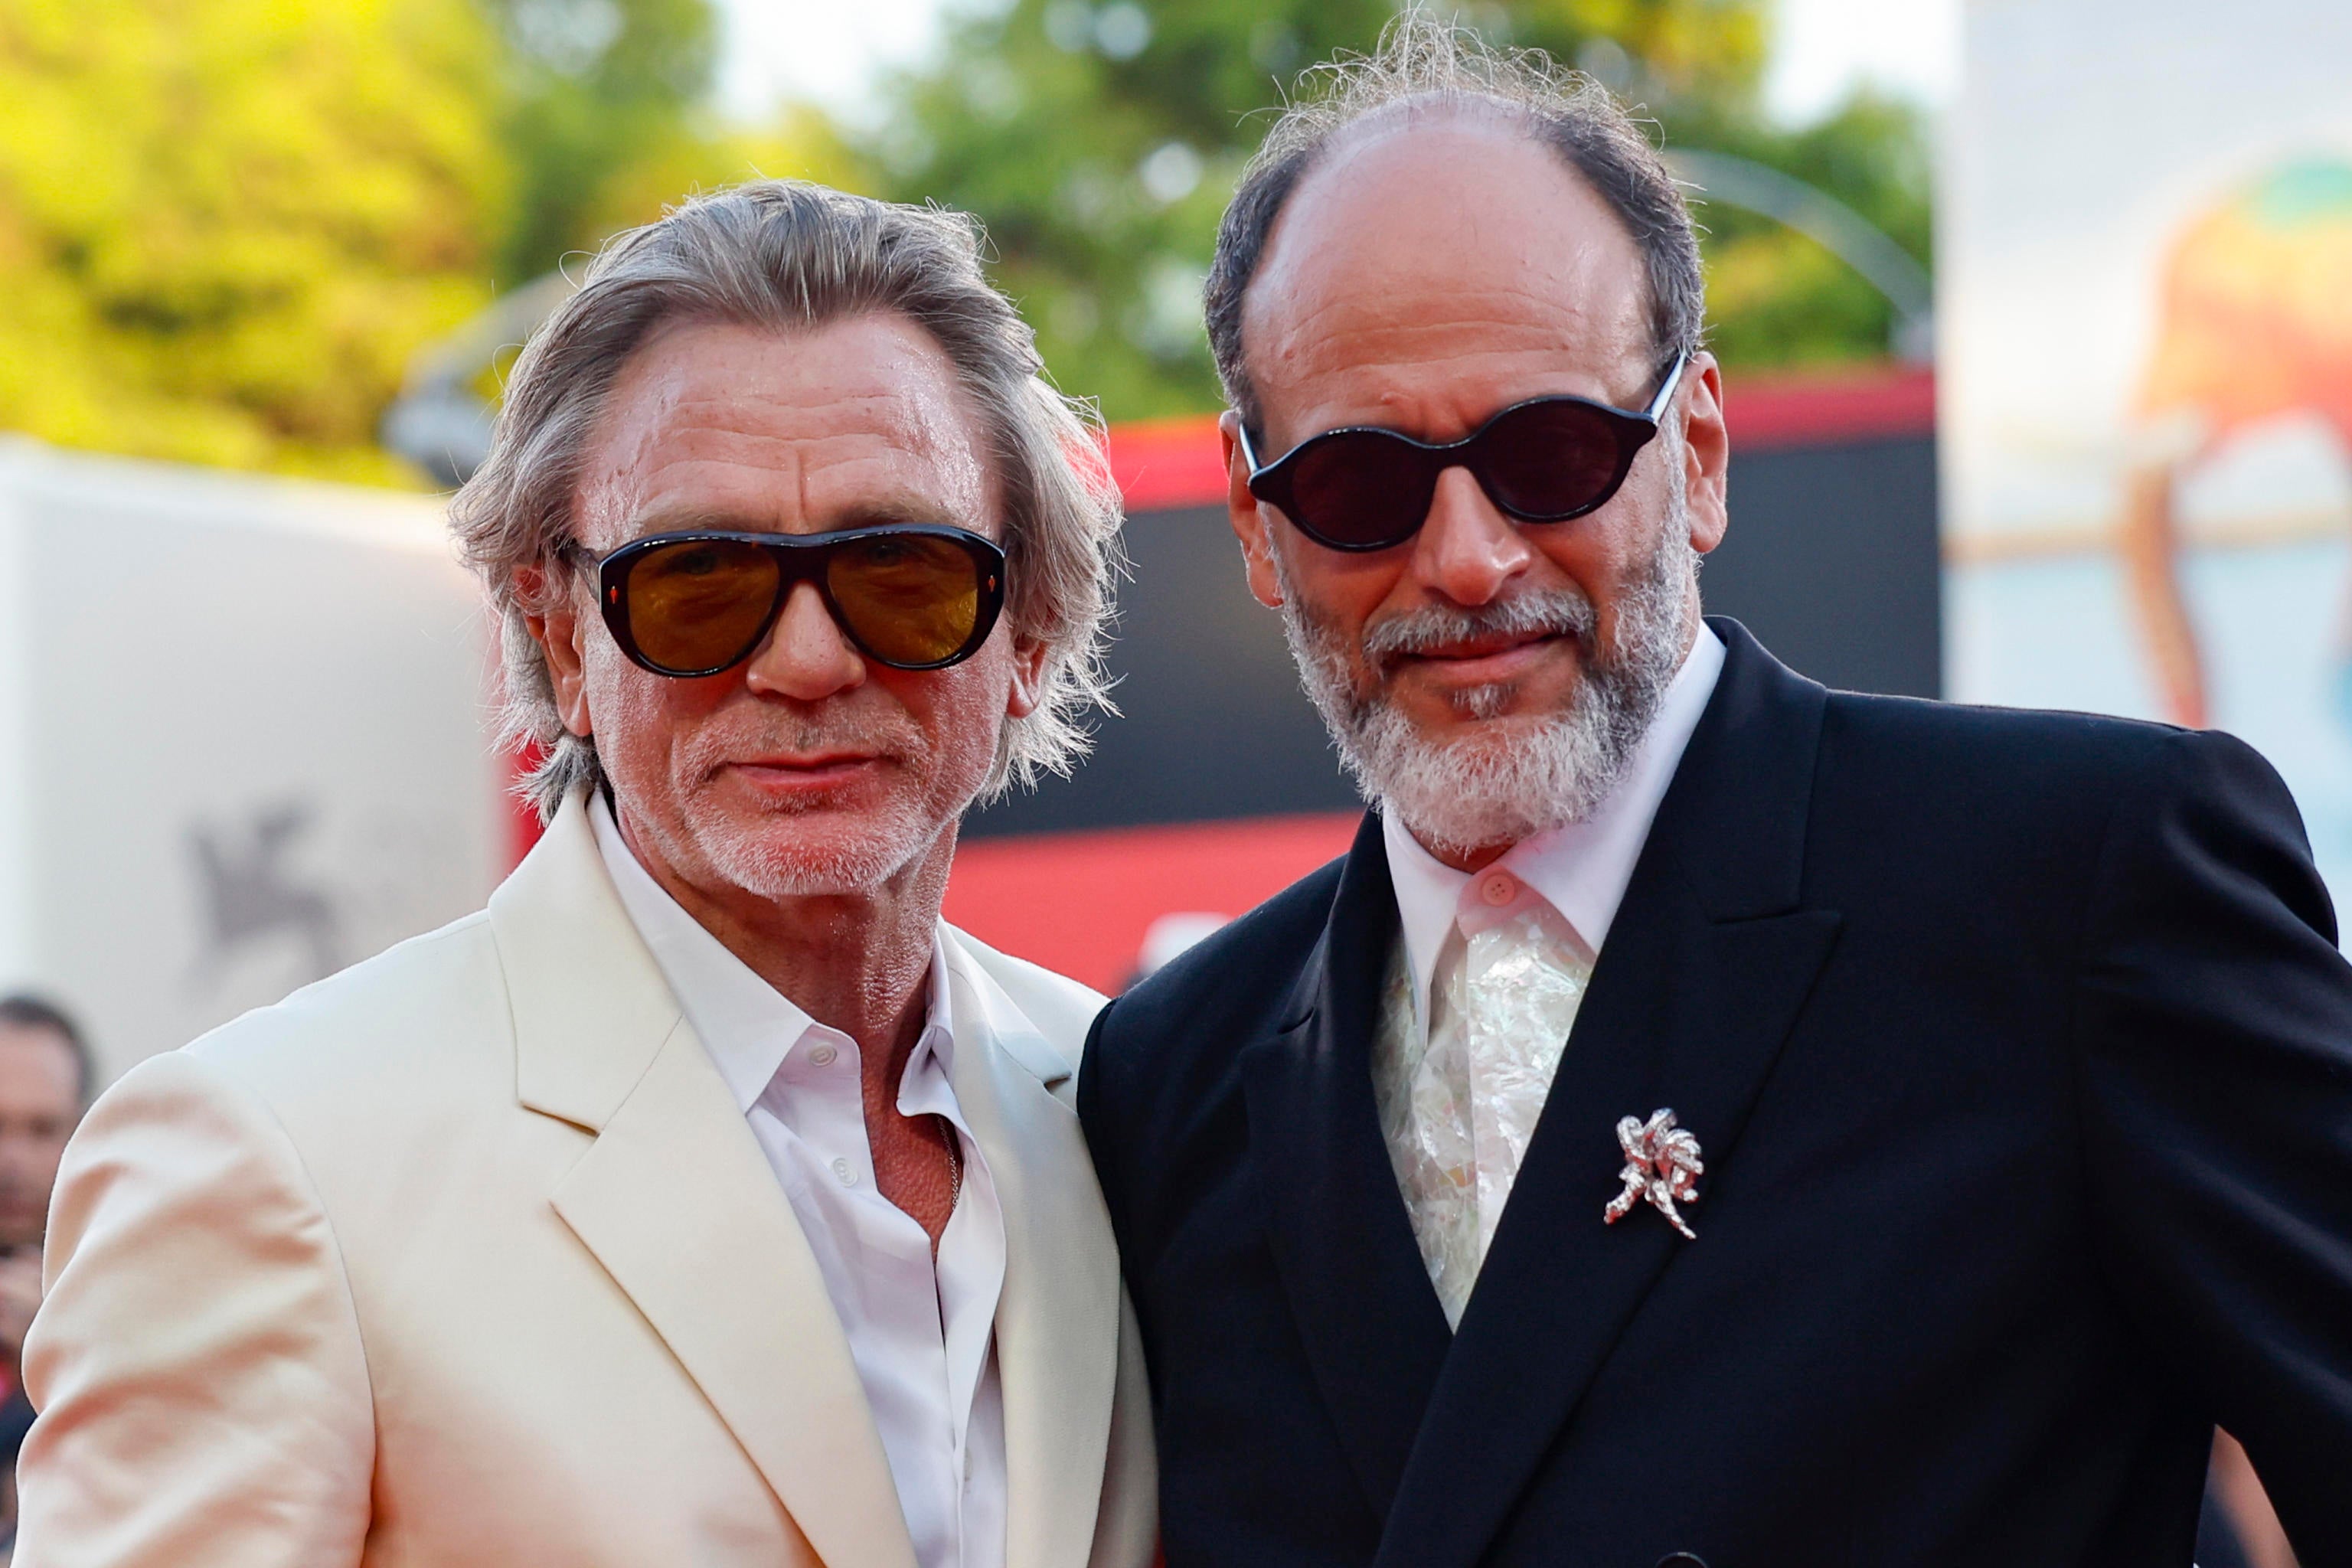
{"x": 1422, "y": 61}
{"x": 786, "y": 255}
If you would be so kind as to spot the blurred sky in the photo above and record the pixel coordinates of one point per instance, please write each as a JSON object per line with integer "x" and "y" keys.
{"x": 832, "y": 50}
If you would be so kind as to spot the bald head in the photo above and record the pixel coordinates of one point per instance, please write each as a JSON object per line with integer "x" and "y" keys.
{"x": 1435, "y": 247}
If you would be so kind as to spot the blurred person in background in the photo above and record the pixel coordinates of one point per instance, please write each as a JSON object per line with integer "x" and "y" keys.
{"x": 707, "y": 1199}
{"x": 1704, "y": 1118}
{"x": 44, "y": 1081}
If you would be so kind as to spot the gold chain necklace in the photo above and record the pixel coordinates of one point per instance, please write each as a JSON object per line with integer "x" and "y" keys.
{"x": 955, "y": 1160}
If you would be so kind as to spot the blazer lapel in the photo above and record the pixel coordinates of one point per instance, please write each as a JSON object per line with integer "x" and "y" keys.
{"x": 1343, "y": 1243}
{"x": 1057, "y": 1322}
{"x": 1708, "y": 963}
{"x": 677, "y": 1204}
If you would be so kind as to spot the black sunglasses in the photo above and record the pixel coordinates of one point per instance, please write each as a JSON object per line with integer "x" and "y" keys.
{"x": 1544, "y": 460}
{"x": 909, "y": 596}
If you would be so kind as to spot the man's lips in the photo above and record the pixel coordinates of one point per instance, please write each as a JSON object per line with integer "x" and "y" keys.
{"x": 1493, "y": 657}
{"x": 804, "y": 767}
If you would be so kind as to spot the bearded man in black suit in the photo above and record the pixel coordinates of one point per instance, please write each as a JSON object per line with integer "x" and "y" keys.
{"x": 1704, "y": 1118}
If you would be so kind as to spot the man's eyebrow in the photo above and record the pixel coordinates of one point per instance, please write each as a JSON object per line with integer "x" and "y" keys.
{"x": 902, "y": 509}
{"x": 870, "y": 514}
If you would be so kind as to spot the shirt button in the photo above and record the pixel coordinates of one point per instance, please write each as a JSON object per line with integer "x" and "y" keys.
{"x": 1498, "y": 888}
{"x": 822, "y": 1056}
{"x": 841, "y": 1168}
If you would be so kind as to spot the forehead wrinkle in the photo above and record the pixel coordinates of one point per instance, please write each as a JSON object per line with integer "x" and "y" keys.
{"x": 742, "y": 453}
{"x": 1344, "y": 316}
{"x": 763, "y": 430}
{"x": 740, "y": 429}
{"x": 796, "y": 490}
{"x": 1310, "y": 296}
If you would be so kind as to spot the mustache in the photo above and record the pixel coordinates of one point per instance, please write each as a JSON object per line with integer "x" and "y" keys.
{"x": 1541, "y": 612}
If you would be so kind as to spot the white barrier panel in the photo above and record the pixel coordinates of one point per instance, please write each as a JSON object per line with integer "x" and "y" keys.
{"x": 242, "y": 738}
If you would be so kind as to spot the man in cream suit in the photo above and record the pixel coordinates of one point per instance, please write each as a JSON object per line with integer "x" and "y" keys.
{"x": 705, "y": 1200}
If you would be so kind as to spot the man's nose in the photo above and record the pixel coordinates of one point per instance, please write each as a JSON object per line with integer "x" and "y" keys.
{"x": 806, "y": 657}
{"x": 1467, "y": 550}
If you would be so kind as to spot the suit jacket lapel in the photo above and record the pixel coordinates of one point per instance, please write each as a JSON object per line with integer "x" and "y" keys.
{"x": 1374, "y": 1332}
{"x": 677, "y": 1204}
{"x": 1057, "y": 1322}
{"x": 1709, "y": 961}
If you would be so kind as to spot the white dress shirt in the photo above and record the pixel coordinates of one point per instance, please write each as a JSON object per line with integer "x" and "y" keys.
{"x": 1484, "y": 986}
{"x": 921, "y": 1329}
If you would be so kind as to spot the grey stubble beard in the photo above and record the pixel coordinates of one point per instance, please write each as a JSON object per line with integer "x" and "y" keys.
{"x": 860, "y": 855}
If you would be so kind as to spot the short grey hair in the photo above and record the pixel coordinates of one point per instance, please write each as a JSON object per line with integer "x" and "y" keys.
{"x": 1422, "y": 61}
{"x": 788, "y": 256}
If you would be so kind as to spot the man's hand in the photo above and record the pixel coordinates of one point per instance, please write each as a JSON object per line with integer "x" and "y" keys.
{"x": 20, "y": 1298}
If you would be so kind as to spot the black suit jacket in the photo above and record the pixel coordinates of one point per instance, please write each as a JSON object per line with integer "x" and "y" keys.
{"x": 2021, "y": 1053}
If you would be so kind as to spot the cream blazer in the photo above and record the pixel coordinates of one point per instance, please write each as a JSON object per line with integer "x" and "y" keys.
{"x": 466, "y": 1256}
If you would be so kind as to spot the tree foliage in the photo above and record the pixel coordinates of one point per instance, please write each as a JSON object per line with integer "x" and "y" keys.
{"x": 224, "y": 222}
{"x": 1099, "y": 140}
{"x": 226, "y": 226}
{"x": 589, "y": 86}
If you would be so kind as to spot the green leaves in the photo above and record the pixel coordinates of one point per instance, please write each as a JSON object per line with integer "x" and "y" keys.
{"x": 589, "y": 87}
{"x": 225, "y": 223}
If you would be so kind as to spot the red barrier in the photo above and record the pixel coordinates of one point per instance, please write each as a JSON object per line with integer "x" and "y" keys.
{"x": 1081, "y": 902}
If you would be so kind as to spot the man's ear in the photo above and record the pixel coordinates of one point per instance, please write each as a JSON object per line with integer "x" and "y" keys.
{"x": 1249, "y": 519}
{"x": 1707, "y": 453}
{"x": 1028, "y": 678}
{"x": 556, "y": 625}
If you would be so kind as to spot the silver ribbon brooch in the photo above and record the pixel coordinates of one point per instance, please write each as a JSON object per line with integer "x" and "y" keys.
{"x": 1662, "y": 1164}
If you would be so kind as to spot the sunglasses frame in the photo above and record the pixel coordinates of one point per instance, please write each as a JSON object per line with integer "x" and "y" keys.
{"x": 800, "y": 557}
{"x": 1634, "y": 429}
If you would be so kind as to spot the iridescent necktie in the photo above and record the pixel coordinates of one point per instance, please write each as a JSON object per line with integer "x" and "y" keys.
{"x": 1459, "y": 1106}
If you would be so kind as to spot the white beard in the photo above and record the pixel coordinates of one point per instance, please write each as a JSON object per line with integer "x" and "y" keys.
{"x": 1511, "y": 777}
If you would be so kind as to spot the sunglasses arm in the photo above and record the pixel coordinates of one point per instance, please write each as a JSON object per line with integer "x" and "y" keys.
{"x": 1249, "y": 451}
{"x": 1659, "y": 404}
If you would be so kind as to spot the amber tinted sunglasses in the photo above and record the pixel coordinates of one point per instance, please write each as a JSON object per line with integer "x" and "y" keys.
{"x": 1544, "y": 460}
{"x": 909, "y": 596}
